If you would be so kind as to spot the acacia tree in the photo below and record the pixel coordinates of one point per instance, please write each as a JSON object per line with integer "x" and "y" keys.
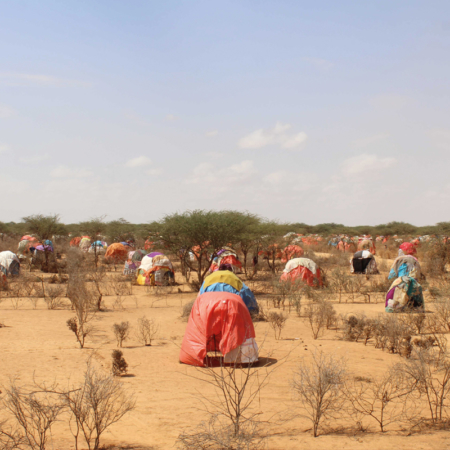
{"x": 119, "y": 230}
{"x": 93, "y": 228}
{"x": 44, "y": 228}
{"x": 201, "y": 232}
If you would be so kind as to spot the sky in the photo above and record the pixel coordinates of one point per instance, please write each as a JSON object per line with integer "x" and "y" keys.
{"x": 298, "y": 111}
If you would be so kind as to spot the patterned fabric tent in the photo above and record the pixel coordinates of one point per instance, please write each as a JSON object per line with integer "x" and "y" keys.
{"x": 303, "y": 269}
{"x": 405, "y": 293}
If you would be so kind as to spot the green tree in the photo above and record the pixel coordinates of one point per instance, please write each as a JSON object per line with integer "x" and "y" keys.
{"x": 206, "y": 231}
{"x": 120, "y": 230}
{"x": 93, "y": 228}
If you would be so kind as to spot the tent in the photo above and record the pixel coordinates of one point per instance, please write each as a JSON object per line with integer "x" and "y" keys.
{"x": 366, "y": 243}
{"x": 219, "y": 321}
{"x": 155, "y": 270}
{"x": 9, "y": 263}
{"x": 99, "y": 247}
{"x": 226, "y": 256}
{"x": 304, "y": 269}
{"x": 226, "y": 281}
{"x": 404, "y": 293}
{"x": 85, "y": 244}
{"x": 290, "y": 252}
{"x": 23, "y": 248}
{"x": 133, "y": 262}
{"x": 75, "y": 242}
{"x": 405, "y": 266}
{"x": 407, "y": 248}
{"x": 27, "y": 237}
{"x": 363, "y": 262}
{"x": 117, "y": 253}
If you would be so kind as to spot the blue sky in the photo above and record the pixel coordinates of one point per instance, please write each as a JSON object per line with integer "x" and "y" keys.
{"x": 296, "y": 110}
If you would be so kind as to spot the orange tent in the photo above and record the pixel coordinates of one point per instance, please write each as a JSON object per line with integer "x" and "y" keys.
{"x": 116, "y": 252}
{"x": 291, "y": 251}
{"x": 75, "y": 242}
{"x": 302, "y": 269}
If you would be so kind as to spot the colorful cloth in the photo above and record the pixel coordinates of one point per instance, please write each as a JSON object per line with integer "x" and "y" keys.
{"x": 404, "y": 293}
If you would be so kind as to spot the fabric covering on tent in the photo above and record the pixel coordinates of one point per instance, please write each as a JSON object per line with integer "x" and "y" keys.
{"x": 363, "y": 262}
{"x": 9, "y": 263}
{"x": 290, "y": 252}
{"x": 405, "y": 266}
{"x": 85, "y": 244}
{"x": 304, "y": 269}
{"x": 23, "y": 248}
{"x": 407, "y": 248}
{"x": 75, "y": 242}
{"x": 404, "y": 293}
{"x": 367, "y": 244}
{"x": 219, "y": 321}
{"x": 226, "y": 256}
{"x": 155, "y": 270}
{"x": 226, "y": 281}
{"x": 116, "y": 252}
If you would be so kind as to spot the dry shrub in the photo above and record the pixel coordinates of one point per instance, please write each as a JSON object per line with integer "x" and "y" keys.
{"x": 320, "y": 315}
{"x": 53, "y": 297}
{"x": 277, "y": 321}
{"x": 121, "y": 331}
{"x": 187, "y": 308}
{"x": 146, "y": 330}
{"x": 393, "y": 335}
{"x": 119, "y": 365}
{"x": 320, "y": 388}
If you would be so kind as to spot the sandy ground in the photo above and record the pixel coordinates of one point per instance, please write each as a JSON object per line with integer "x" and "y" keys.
{"x": 37, "y": 343}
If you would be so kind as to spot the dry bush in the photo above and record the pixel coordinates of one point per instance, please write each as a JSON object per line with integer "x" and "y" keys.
{"x": 146, "y": 330}
{"x": 356, "y": 327}
{"x": 320, "y": 388}
{"x": 414, "y": 320}
{"x": 122, "y": 332}
{"x": 16, "y": 302}
{"x": 53, "y": 297}
{"x": 119, "y": 365}
{"x": 277, "y": 321}
{"x": 34, "y": 413}
{"x": 187, "y": 308}
{"x": 386, "y": 400}
{"x": 393, "y": 335}
{"x": 289, "y": 292}
{"x": 96, "y": 404}
{"x": 442, "y": 313}
{"x": 320, "y": 315}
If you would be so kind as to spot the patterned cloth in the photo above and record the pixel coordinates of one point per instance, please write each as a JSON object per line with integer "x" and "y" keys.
{"x": 404, "y": 293}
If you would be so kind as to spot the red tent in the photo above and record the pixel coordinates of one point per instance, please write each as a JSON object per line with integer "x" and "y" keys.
{"x": 408, "y": 248}
{"x": 116, "y": 252}
{"x": 302, "y": 269}
{"x": 219, "y": 321}
{"x": 291, "y": 251}
{"x": 75, "y": 242}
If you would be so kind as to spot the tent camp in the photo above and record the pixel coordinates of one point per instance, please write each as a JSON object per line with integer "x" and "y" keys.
{"x": 405, "y": 293}
{"x": 219, "y": 322}
{"x": 117, "y": 253}
{"x": 155, "y": 270}
{"x": 407, "y": 248}
{"x": 405, "y": 266}
{"x": 363, "y": 262}
{"x": 226, "y": 281}
{"x": 9, "y": 263}
{"x": 98, "y": 247}
{"x": 133, "y": 262}
{"x": 226, "y": 256}
{"x": 303, "y": 269}
{"x": 291, "y": 252}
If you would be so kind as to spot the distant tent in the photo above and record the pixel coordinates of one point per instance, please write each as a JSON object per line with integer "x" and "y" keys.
{"x": 116, "y": 253}
{"x": 366, "y": 243}
{"x": 226, "y": 281}
{"x": 226, "y": 256}
{"x": 98, "y": 247}
{"x": 219, "y": 322}
{"x": 85, "y": 244}
{"x": 303, "y": 269}
{"x": 363, "y": 262}
{"x": 9, "y": 263}
{"x": 155, "y": 270}
{"x": 405, "y": 293}
{"x": 75, "y": 242}
{"x": 405, "y": 266}
{"x": 133, "y": 262}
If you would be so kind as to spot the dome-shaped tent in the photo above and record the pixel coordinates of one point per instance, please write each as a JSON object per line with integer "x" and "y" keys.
{"x": 405, "y": 266}
{"x": 404, "y": 293}
{"x": 219, "y": 321}
{"x": 9, "y": 263}
{"x": 116, "y": 253}
{"x": 75, "y": 242}
{"x": 85, "y": 244}
{"x": 226, "y": 281}
{"x": 133, "y": 262}
{"x": 303, "y": 269}
{"x": 226, "y": 256}
{"x": 155, "y": 270}
{"x": 407, "y": 248}
{"x": 363, "y": 262}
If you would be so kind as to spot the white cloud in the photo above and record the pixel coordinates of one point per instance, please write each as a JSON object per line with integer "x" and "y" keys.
{"x": 171, "y": 117}
{"x": 68, "y": 172}
{"x": 138, "y": 162}
{"x": 6, "y": 111}
{"x": 154, "y": 172}
{"x": 211, "y": 133}
{"x": 276, "y": 178}
{"x": 207, "y": 173}
{"x": 366, "y": 163}
{"x": 364, "y": 142}
{"x": 4, "y": 148}
{"x": 27, "y": 79}
{"x": 273, "y": 136}
{"x": 319, "y": 63}
{"x": 34, "y": 159}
